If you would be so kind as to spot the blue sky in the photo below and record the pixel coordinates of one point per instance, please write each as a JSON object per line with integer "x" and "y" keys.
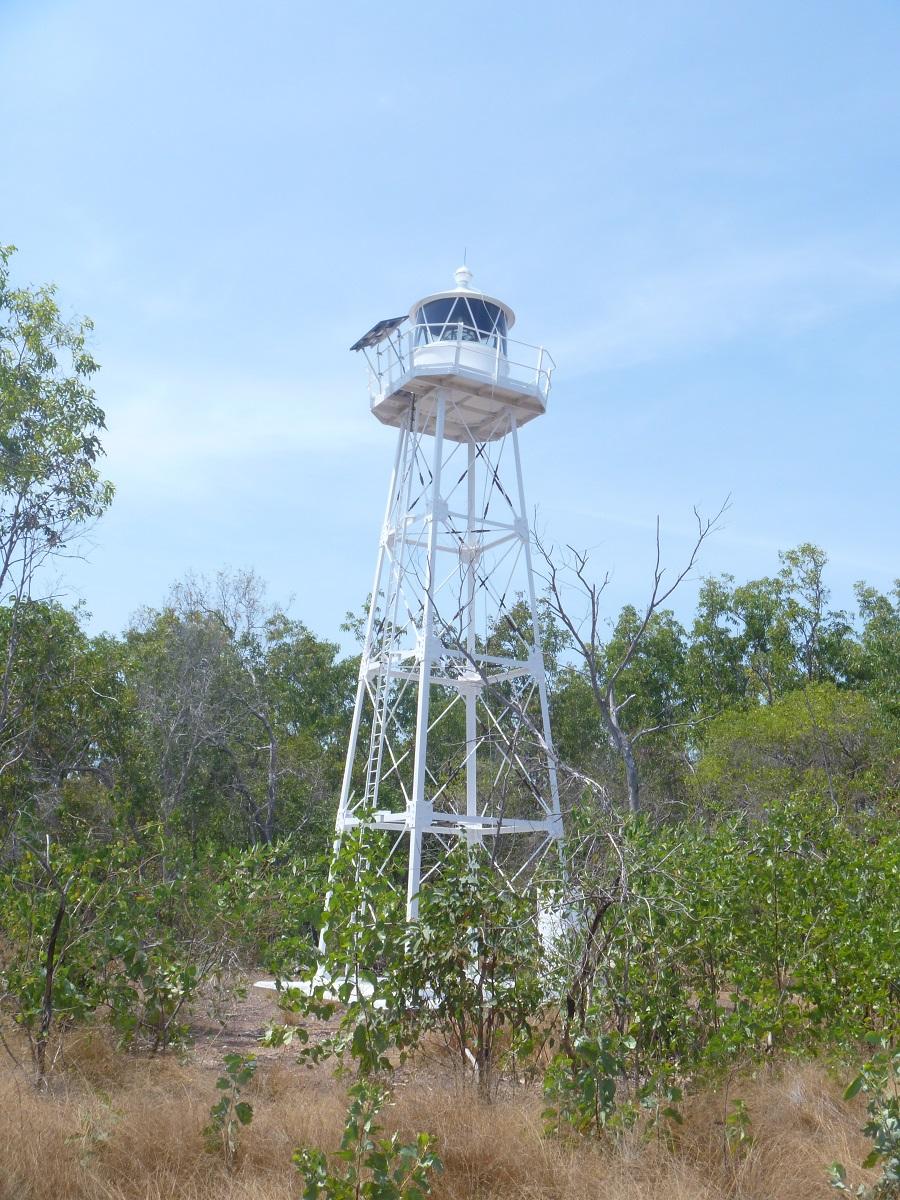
{"x": 695, "y": 206}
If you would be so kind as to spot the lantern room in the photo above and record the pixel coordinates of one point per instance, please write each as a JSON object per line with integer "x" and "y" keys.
{"x": 462, "y": 314}
{"x": 457, "y": 342}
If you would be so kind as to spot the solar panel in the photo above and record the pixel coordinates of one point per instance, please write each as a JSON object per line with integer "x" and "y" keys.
{"x": 378, "y": 333}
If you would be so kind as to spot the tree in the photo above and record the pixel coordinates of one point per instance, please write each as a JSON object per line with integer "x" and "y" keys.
{"x": 819, "y": 634}
{"x": 74, "y": 718}
{"x": 875, "y": 658}
{"x": 715, "y": 666}
{"x": 758, "y": 641}
{"x": 175, "y": 666}
{"x": 606, "y": 666}
{"x": 239, "y": 702}
{"x": 50, "y": 482}
{"x": 828, "y": 741}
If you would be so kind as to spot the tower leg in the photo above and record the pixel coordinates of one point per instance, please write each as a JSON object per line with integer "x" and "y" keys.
{"x": 471, "y": 694}
{"x": 416, "y": 818}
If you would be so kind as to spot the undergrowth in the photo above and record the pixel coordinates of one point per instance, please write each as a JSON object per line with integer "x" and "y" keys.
{"x": 120, "y": 1126}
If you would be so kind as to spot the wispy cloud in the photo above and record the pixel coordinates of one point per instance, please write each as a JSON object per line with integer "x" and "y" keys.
{"x": 184, "y": 431}
{"x": 701, "y": 303}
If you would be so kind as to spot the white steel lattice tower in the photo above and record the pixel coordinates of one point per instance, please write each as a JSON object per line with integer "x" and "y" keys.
{"x": 451, "y": 736}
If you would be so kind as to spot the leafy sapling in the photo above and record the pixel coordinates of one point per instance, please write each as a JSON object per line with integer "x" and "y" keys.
{"x": 738, "y": 1129}
{"x": 230, "y": 1112}
{"x": 581, "y": 1086}
{"x": 374, "y": 1167}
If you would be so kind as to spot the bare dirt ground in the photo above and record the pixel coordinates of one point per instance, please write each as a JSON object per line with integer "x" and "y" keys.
{"x": 237, "y": 1025}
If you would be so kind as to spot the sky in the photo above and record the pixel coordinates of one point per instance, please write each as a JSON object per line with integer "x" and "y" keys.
{"x": 694, "y": 206}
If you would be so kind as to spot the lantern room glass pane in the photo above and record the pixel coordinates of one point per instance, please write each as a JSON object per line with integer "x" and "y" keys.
{"x": 466, "y": 317}
{"x": 431, "y": 320}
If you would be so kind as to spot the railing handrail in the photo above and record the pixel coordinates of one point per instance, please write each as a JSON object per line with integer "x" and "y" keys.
{"x": 397, "y": 358}
{"x": 458, "y": 326}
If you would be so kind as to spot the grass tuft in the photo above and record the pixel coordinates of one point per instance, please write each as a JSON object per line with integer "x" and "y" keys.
{"x": 118, "y": 1126}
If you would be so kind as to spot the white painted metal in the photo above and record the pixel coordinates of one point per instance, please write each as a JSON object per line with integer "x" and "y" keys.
{"x": 479, "y": 368}
{"x": 450, "y": 735}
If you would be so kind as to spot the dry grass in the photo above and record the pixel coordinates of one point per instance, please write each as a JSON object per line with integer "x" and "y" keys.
{"x": 120, "y": 1127}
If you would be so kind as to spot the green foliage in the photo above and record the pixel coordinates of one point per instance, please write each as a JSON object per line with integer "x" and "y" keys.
{"x": 655, "y": 674}
{"x": 770, "y": 645}
{"x": 50, "y": 486}
{"x": 582, "y": 1084}
{"x": 764, "y": 638}
{"x": 875, "y": 657}
{"x": 230, "y": 1112}
{"x": 586, "y": 1086}
{"x": 242, "y": 712}
{"x": 828, "y": 741}
{"x": 49, "y": 424}
{"x": 223, "y": 718}
{"x": 715, "y": 667}
{"x": 150, "y": 989}
{"x": 879, "y": 1079}
{"x": 711, "y": 947}
{"x": 474, "y": 953}
{"x": 371, "y": 1166}
{"x": 51, "y": 907}
{"x": 268, "y": 900}
{"x": 93, "y": 926}
{"x": 469, "y": 968}
{"x": 106, "y": 926}
{"x": 759, "y": 935}
{"x": 361, "y": 967}
{"x": 66, "y": 690}
{"x": 738, "y": 1128}
{"x": 723, "y": 946}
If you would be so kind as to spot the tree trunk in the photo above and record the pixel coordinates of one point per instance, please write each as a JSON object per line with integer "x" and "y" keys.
{"x": 621, "y": 743}
{"x": 43, "y": 1034}
{"x": 271, "y": 786}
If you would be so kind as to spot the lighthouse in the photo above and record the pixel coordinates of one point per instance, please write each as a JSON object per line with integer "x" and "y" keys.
{"x": 450, "y": 737}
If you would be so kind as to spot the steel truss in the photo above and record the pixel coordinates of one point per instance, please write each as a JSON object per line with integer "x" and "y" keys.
{"x": 450, "y": 736}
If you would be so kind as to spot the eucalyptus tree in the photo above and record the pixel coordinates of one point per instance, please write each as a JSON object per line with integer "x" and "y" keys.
{"x": 243, "y": 707}
{"x": 754, "y": 642}
{"x": 50, "y": 480}
{"x": 875, "y": 657}
{"x": 575, "y": 597}
{"x": 75, "y": 714}
{"x": 823, "y": 740}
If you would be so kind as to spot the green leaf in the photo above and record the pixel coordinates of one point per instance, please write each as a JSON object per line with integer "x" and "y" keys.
{"x": 854, "y": 1088}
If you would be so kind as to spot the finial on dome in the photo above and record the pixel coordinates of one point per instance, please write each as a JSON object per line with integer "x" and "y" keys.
{"x": 463, "y": 276}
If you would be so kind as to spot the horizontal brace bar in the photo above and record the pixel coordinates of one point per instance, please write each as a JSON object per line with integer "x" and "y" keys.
{"x": 452, "y": 823}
